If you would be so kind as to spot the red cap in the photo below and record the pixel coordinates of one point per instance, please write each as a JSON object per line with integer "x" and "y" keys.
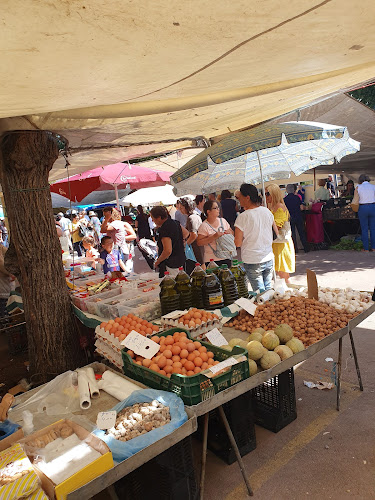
{"x": 180, "y": 268}
{"x": 166, "y": 273}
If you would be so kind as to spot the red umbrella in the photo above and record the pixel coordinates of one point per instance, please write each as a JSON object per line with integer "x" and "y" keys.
{"x": 116, "y": 176}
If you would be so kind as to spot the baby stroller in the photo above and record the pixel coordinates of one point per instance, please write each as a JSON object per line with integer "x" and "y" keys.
{"x": 149, "y": 250}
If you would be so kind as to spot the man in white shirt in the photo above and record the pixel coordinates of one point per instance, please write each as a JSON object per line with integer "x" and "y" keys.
{"x": 199, "y": 202}
{"x": 253, "y": 233}
{"x": 64, "y": 224}
{"x": 364, "y": 196}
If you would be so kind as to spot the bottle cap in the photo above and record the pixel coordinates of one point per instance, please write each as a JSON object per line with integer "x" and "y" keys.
{"x": 197, "y": 264}
{"x": 166, "y": 273}
{"x": 212, "y": 260}
{"x": 180, "y": 268}
{"x": 224, "y": 266}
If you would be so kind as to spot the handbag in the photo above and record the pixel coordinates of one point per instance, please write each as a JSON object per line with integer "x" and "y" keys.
{"x": 285, "y": 233}
{"x": 225, "y": 247}
{"x": 189, "y": 253}
{"x": 82, "y": 231}
{"x": 355, "y": 202}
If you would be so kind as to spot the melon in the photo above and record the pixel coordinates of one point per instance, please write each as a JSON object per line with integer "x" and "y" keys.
{"x": 283, "y": 351}
{"x": 284, "y": 332}
{"x": 270, "y": 340}
{"x": 255, "y": 350}
{"x": 243, "y": 344}
{"x": 269, "y": 359}
{"x": 253, "y": 367}
{"x": 234, "y": 342}
{"x": 226, "y": 347}
{"x": 255, "y": 336}
{"x": 295, "y": 345}
{"x": 259, "y": 330}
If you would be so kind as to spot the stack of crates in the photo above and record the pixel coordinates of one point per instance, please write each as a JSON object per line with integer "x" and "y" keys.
{"x": 275, "y": 402}
{"x": 169, "y": 476}
{"x": 240, "y": 416}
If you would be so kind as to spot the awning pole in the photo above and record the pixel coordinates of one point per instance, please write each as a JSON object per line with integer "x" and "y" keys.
{"x": 261, "y": 176}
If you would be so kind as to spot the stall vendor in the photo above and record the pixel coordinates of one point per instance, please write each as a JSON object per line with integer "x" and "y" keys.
{"x": 349, "y": 191}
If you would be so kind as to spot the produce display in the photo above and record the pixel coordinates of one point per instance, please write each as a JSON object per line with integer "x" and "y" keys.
{"x": 196, "y": 321}
{"x": 139, "y": 419}
{"x": 121, "y": 327}
{"x": 309, "y": 319}
{"x": 177, "y": 354}
{"x": 268, "y": 348}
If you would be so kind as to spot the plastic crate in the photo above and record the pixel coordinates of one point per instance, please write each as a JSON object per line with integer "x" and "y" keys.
{"x": 17, "y": 339}
{"x": 240, "y": 415}
{"x": 169, "y": 476}
{"x": 93, "y": 300}
{"x": 196, "y": 388}
{"x": 149, "y": 311}
{"x": 275, "y": 402}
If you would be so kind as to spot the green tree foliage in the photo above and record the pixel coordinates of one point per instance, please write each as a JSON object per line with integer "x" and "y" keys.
{"x": 365, "y": 95}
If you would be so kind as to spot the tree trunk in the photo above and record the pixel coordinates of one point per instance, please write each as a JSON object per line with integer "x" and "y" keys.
{"x": 34, "y": 255}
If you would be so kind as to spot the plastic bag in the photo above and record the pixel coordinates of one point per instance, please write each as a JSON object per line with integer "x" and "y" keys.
{"x": 121, "y": 450}
{"x": 57, "y": 397}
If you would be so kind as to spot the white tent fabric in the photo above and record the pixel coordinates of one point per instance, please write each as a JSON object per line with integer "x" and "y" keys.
{"x": 125, "y": 79}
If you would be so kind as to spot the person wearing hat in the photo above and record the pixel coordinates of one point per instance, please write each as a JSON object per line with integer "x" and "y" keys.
{"x": 95, "y": 222}
{"x": 64, "y": 224}
{"x": 293, "y": 203}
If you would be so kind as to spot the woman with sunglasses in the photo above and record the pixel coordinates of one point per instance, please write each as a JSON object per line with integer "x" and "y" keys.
{"x": 213, "y": 228}
{"x": 283, "y": 247}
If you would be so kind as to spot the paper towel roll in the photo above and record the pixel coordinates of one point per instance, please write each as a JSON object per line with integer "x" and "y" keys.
{"x": 84, "y": 391}
{"x": 93, "y": 385}
{"x": 268, "y": 295}
{"x": 116, "y": 386}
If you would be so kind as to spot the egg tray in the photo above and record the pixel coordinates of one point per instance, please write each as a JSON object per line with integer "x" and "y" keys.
{"x": 195, "y": 388}
{"x": 197, "y": 333}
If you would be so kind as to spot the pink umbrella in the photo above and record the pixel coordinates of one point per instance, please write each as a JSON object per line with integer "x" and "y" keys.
{"x": 116, "y": 176}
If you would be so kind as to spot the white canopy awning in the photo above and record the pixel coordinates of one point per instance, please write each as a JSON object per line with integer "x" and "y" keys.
{"x": 125, "y": 79}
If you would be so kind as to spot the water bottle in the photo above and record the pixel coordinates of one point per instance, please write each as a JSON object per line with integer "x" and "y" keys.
{"x": 169, "y": 297}
{"x": 240, "y": 276}
{"x": 212, "y": 292}
{"x": 196, "y": 280}
{"x": 229, "y": 285}
{"x": 183, "y": 287}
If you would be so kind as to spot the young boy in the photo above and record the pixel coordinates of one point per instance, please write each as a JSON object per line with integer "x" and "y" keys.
{"x": 111, "y": 258}
{"x": 88, "y": 245}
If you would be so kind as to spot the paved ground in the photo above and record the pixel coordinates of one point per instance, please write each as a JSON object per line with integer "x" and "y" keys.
{"x": 324, "y": 454}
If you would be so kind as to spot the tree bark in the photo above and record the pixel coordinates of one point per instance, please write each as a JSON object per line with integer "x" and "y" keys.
{"x": 34, "y": 255}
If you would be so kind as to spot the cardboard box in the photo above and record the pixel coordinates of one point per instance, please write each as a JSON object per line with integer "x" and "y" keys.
{"x": 85, "y": 475}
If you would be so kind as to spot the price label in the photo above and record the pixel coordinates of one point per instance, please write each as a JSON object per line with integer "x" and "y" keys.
{"x": 216, "y": 338}
{"x": 106, "y": 419}
{"x": 247, "y": 305}
{"x": 174, "y": 314}
{"x": 223, "y": 364}
{"x": 141, "y": 345}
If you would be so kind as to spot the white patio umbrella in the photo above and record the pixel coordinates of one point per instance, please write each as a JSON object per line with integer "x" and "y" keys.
{"x": 151, "y": 197}
{"x": 263, "y": 154}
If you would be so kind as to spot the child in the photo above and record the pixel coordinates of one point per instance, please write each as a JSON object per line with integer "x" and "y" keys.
{"x": 111, "y": 258}
{"x": 88, "y": 245}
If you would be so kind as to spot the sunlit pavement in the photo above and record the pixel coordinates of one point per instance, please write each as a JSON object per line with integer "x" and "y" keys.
{"x": 323, "y": 454}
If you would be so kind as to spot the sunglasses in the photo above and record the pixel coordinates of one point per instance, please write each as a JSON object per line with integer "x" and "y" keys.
{"x": 267, "y": 194}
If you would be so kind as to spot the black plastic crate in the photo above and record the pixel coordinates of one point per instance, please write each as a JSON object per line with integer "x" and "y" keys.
{"x": 240, "y": 416}
{"x": 17, "y": 339}
{"x": 169, "y": 476}
{"x": 275, "y": 402}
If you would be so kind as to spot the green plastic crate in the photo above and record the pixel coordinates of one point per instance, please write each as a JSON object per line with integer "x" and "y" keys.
{"x": 196, "y": 388}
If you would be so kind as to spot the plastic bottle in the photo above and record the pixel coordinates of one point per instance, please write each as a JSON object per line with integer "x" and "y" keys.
{"x": 229, "y": 285}
{"x": 196, "y": 280}
{"x": 169, "y": 297}
{"x": 243, "y": 273}
{"x": 212, "y": 265}
{"x": 241, "y": 279}
{"x": 212, "y": 292}
{"x": 183, "y": 287}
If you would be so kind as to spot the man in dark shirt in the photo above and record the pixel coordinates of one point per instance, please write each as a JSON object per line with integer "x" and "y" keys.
{"x": 293, "y": 204}
{"x": 171, "y": 236}
{"x": 331, "y": 185}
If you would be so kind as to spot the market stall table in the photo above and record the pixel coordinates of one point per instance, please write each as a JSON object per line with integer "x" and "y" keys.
{"x": 87, "y": 419}
{"x": 247, "y": 385}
